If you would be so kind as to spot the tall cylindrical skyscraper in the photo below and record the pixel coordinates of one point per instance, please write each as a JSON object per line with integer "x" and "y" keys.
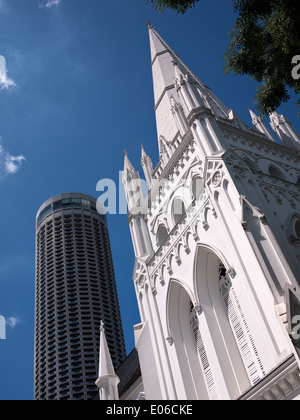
{"x": 75, "y": 290}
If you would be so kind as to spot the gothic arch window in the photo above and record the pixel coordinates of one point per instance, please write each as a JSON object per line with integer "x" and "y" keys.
{"x": 162, "y": 235}
{"x": 186, "y": 338}
{"x": 275, "y": 172}
{"x": 238, "y": 359}
{"x": 239, "y": 325}
{"x": 197, "y": 187}
{"x": 178, "y": 210}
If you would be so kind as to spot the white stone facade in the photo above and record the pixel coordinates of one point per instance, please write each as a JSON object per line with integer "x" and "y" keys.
{"x": 217, "y": 245}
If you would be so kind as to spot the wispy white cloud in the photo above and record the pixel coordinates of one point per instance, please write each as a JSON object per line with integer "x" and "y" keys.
{"x": 50, "y": 3}
{"x": 9, "y": 164}
{"x": 5, "y": 82}
{"x": 13, "y": 321}
{"x": 13, "y": 163}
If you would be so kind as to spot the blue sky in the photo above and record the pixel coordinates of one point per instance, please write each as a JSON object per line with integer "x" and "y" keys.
{"x": 79, "y": 92}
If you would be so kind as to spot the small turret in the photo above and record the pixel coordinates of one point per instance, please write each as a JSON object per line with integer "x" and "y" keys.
{"x": 260, "y": 125}
{"x": 285, "y": 130}
{"x": 132, "y": 185}
{"x": 147, "y": 167}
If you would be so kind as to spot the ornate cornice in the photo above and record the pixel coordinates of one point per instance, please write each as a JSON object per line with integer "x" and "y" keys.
{"x": 256, "y": 140}
{"x": 195, "y": 215}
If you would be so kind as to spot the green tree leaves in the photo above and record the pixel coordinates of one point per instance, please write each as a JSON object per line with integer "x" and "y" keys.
{"x": 264, "y": 41}
{"x": 181, "y": 6}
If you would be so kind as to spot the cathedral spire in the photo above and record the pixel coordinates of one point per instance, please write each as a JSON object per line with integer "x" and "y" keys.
{"x": 108, "y": 380}
{"x": 172, "y": 78}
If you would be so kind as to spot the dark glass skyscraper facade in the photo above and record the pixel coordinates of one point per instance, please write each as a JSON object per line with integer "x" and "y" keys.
{"x": 75, "y": 290}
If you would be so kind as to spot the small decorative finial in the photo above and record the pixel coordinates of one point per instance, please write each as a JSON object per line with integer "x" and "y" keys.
{"x": 149, "y": 26}
{"x": 125, "y": 153}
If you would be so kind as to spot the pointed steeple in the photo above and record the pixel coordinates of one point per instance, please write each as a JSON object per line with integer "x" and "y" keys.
{"x": 147, "y": 168}
{"x": 132, "y": 185}
{"x": 285, "y": 130}
{"x": 172, "y": 78}
{"x": 105, "y": 362}
{"x": 108, "y": 380}
{"x": 135, "y": 200}
{"x": 128, "y": 168}
{"x": 260, "y": 125}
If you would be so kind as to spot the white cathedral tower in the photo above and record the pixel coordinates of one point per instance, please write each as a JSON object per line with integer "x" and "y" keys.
{"x": 217, "y": 246}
